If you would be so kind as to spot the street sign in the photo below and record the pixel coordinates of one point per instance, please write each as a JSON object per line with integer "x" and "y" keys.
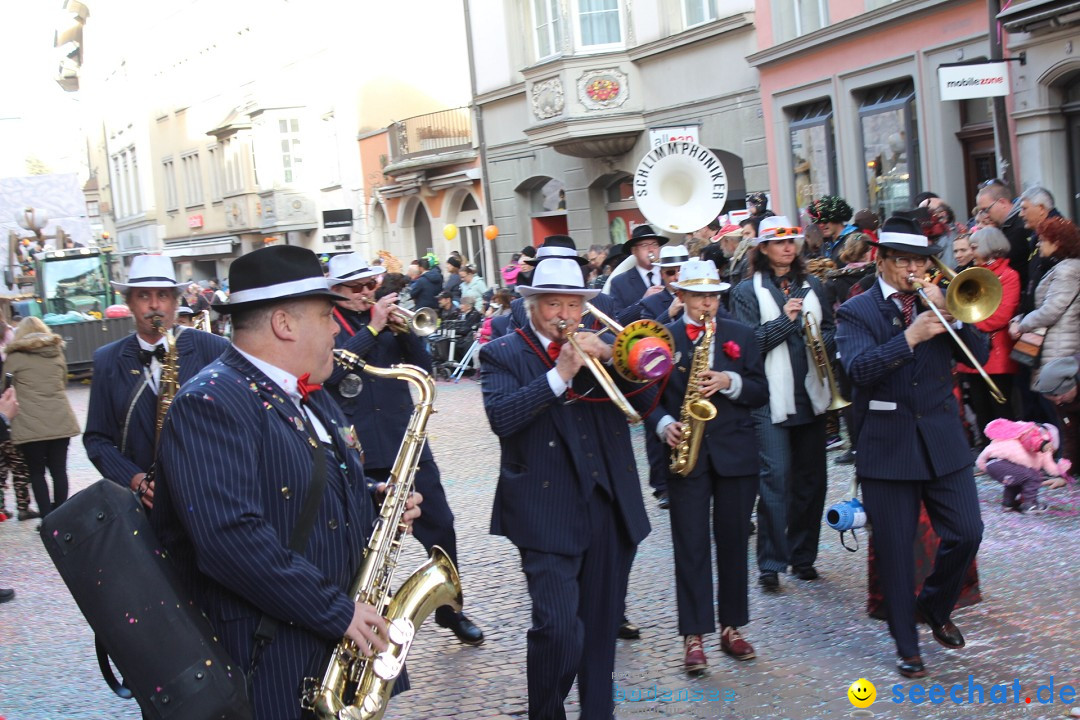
{"x": 963, "y": 82}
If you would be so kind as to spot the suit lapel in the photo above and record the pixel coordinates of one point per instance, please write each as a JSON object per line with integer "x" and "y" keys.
{"x": 892, "y": 314}
{"x": 273, "y": 397}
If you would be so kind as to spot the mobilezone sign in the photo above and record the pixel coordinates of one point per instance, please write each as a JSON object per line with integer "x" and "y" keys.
{"x": 962, "y": 82}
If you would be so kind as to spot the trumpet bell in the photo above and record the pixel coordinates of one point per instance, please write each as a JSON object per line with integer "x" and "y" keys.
{"x": 973, "y": 295}
{"x": 680, "y": 187}
{"x": 424, "y": 322}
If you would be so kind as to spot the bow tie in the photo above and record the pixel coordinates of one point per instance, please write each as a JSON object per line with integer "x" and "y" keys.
{"x": 146, "y": 356}
{"x": 694, "y": 331}
{"x": 305, "y": 388}
{"x": 553, "y": 350}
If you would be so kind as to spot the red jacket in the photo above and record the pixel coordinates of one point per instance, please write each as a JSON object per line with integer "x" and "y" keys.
{"x": 997, "y": 325}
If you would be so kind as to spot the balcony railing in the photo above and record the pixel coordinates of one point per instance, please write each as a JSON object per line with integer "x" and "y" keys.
{"x": 431, "y": 134}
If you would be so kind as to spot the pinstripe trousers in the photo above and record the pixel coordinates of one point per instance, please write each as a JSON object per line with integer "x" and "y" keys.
{"x": 792, "y": 494}
{"x": 577, "y": 603}
{"x": 892, "y": 507}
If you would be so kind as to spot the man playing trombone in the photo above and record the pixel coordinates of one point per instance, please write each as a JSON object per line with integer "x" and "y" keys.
{"x": 568, "y": 495}
{"x": 380, "y": 408}
{"x": 909, "y": 441}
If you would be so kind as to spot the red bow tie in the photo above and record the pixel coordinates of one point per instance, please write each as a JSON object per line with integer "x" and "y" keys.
{"x": 694, "y": 331}
{"x": 553, "y": 350}
{"x": 305, "y": 388}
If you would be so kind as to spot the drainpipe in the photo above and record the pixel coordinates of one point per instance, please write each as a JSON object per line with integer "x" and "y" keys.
{"x": 492, "y": 265}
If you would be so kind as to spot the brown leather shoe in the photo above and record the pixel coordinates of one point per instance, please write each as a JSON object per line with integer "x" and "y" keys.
{"x": 694, "y": 661}
{"x": 732, "y": 642}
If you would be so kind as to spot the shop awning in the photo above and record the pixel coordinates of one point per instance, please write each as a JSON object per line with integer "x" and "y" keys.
{"x": 201, "y": 248}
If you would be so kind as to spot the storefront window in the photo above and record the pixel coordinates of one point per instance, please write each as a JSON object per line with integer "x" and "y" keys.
{"x": 813, "y": 160}
{"x": 891, "y": 147}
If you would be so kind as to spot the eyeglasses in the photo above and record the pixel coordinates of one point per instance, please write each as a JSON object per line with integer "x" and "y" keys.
{"x": 780, "y": 232}
{"x": 903, "y": 262}
{"x": 362, "y": 285}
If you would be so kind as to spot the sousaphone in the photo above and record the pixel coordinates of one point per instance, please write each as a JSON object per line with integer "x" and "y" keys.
{"x": 680, "y": 187}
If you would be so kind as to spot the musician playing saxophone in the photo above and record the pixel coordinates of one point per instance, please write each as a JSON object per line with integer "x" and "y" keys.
{"x": 239, "y": 456}
{"x": 121, "y": 419}
{"x": 722, "y": 485}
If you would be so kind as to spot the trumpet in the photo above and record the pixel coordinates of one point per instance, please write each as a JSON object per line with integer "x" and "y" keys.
{"x": 601, "y": 375}
{"x": 973, "y": 296}
{"x": 815, "y": 343}
{"x": 421, "y": 323}
{"x": 652, "y": 361}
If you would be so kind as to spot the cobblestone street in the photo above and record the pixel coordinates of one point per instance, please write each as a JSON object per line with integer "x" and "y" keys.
{"x": 813, "y": 639}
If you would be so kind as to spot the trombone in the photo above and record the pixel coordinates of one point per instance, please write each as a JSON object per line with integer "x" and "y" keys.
{"x": 973, "y": 296}
{"x": 626, "y": 336}
{"x": 421, "y": 323}
{"x": 815, "y": 342}
{"x": 600, "y": 374}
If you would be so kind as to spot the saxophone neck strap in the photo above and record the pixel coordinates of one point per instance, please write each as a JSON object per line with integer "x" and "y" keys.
{"x": 267, "y": 628}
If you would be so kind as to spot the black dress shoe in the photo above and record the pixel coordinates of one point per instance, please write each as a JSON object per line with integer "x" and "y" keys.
{"x": 29, "y": 515}
{"x": 911, "y": 667}
{"x": 805, "y": 573}
{"x": 463, "y": 627}
{"x": 663, "y": 501}
{"x": 769, "y": 580}
{"x": 946, "y": 633}
{"x": 628, "y": 630}
{"x": 6, "y": 594}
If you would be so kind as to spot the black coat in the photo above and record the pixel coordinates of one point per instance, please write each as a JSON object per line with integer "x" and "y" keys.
{"x": 425, "y": 288}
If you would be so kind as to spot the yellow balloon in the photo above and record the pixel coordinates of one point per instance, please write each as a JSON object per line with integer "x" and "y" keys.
{"x": 450, "y": 231}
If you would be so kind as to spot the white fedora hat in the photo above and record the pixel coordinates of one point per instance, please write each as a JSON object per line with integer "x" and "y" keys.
{"x": 778, "y": 227}
{"x": 673, "y": 255}
{"x": 150, "y": 271}
{"x": 560, "y": 276}
{"x": 350, "y": 267}
{"x": 700, "y": 276}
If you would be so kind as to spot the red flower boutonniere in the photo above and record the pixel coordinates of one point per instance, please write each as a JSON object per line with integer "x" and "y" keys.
{"x": 732, "y": 350}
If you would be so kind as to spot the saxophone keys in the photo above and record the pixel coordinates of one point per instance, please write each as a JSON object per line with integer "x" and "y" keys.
{"x": 402, "y": 631}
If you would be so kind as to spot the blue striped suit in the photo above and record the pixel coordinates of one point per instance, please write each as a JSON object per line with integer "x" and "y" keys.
{"x": 568, "y": 497}
{"x": 628, "y": 287}
{"x": 120, "y": 420}
{"x": 235, "y": 467}
{"x": 725, "y": 478}
{"x": 910, "y": 445}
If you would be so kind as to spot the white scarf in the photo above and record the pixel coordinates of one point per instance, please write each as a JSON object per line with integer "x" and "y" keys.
{"x": 778, "y": 361}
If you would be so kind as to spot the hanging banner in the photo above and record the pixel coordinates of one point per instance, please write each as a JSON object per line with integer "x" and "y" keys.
{"x": 963, "y": 82}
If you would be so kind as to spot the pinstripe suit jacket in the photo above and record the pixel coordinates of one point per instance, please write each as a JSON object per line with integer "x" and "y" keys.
{"x": 730, "y": 446}
{"x": 381, "y": 412}
{"x": 121, "y": 418}
{"x": 907, "y": 425}
{"x": 548, "y": 456}
{"x": 236, "y": 465}
{"x": 654, "y": 307}
{"x": 628, "y": 287}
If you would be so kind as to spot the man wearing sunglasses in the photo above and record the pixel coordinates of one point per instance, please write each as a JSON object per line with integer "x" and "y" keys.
{"x": 380, "y": 408}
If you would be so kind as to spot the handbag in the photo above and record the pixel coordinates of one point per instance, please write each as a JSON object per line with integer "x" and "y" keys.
{"x": 1028, "y": 348}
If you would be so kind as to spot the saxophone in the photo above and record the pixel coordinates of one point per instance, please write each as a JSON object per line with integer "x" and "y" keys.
{"x": 354, "y": 687}
{"x": 696, "y": 410}
{"x": 169, "y": 382}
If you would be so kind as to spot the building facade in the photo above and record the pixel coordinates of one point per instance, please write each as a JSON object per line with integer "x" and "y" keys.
{"x": 853, "y": 108}
{"x": 569, "y": 96}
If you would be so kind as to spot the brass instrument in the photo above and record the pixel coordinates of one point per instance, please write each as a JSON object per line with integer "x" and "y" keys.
{"x": 973, "y": 296}
{"x": 601, "y": 375}
{"x": 169, "y": 382}
{"x": 626, "y": 336}
{"x": 201, "y": 321}
{"x": 421, "y": 323}
{"x": 819, "y": 353}
{"x": 696, "y": 410}
{"x": 433, "y": 584}
{"x": 819, "y": 267}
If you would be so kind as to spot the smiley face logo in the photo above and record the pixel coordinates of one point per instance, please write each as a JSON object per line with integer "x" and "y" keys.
{"x": 862, "y": 693}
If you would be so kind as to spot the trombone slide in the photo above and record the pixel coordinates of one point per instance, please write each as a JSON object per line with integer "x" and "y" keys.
{"x": 602, "y": 376}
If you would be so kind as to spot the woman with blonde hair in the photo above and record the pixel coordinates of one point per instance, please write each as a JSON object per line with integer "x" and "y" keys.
{"x": 46, "y": 422}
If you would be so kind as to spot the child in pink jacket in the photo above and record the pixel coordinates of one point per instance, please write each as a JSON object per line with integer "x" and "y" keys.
{"x": 1021, "y": 457}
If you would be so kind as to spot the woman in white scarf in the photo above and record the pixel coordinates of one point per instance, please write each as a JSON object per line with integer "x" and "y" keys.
{"x": 774, "y": 300}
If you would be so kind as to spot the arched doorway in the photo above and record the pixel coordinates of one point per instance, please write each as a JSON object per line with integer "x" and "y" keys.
{"x": 421, "y": 226}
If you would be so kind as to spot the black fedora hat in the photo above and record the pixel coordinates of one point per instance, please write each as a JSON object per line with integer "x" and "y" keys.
{"x": 270, "y": 274}
{"x": 643, "y": 232}
{"x": 557, "y": 246}
{"x": 903, "y": 233}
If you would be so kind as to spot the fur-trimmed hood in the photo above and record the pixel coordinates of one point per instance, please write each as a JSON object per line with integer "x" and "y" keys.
{"x": 46, "y": 344}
